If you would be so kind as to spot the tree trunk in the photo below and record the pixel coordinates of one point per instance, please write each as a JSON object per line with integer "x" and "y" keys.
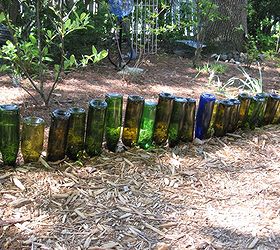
{"x": 229, "y": 33}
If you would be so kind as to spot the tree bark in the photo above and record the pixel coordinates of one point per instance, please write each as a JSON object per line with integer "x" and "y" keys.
{"x": 229, "y": 33}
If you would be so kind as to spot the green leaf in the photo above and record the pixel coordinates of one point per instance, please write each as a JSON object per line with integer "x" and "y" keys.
{"x": 72, "y": 60}
{"x": 2, "y": 17}
{"x": 94, "y": 50}
{"x": 83, "y": 16}
{"x": 33, "y": 39}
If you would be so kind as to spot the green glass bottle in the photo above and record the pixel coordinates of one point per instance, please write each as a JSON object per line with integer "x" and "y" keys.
{"x": 234, "y": 115}
{"x": 187, "y": 132}
{"x": 76, "y": 132}
{"x": 9, "y": 133}
{"x": 271, "y": 108}
{"x": 176, "y": 121}
{"x": 32, "y": 138}
{"x": 131, "y": 126}
{"x": 113, "y": 120}
{"x": 163, "y": 115}
{"x": 95, "y": 127}
{"x": 58, "y": 135}
{"x": 245, "y": 100}
{"x": 222, "y": 117}
{"x": 262, "y": 111}
{"x": 254, "y": 112}
{"x": 211, "y": 131}
{"x": 145, "y": 139}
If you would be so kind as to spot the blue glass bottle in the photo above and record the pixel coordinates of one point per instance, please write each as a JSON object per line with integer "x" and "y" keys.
{"x": 204, "y": 114}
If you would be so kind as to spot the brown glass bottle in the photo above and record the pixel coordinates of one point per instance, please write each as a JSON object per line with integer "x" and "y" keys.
{"x": 32, "y": 138}
{"x": 234, "y": 115}
{"x": 187, "y": 132}
{"x": 163, "y": 115}
{"x": 211, "y": 131}
{"x": 245, "y": 100}
{"x": 58, "y": 135}
{"x": 222, "y": 117}
{"x": 76, "y": 132}
{"x": 133, "y": 113}
{"x": 273, "y": 102}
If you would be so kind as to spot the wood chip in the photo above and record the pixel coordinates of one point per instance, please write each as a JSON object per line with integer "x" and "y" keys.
{"x": 18, "y": 183}
{"x": 2, "y": 177}
{"x": 253, "y": 243}
{"x": 110, "y": 245}
{"x": 78, "y": 212}
{"x": 20, "y": 202}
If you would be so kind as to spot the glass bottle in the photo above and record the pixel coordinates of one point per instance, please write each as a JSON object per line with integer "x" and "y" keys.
{"x": 211, "y": 131}
{"x": 95, "y": 127}
{"x": 32, "y": 138}
{"x": 113, "y": 120}
{"x": 176, "y": 121}
{"x": 271, "y": 108}
{"x": 9, "y": 133}
{"x": 276, "y": 119}
{"x": 255, "y": 108}
{"x": 58, "y": 135}
{"x": 133, "y": 113}
{"x": 163, "y": 115}
{"x": 222, "y": 117}
{"x": 204, "y": 114}
{"x": 245, "y": 100}
{"x": 261, "y": 115}
{"x": 145, "y": 139}
{"x": 189, "y": 120}
{"x": 76, "y": 132}
{"x": 234, "y": 115}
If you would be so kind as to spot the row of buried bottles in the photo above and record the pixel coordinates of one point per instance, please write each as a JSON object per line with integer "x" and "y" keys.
{"x": 146, "y": 123}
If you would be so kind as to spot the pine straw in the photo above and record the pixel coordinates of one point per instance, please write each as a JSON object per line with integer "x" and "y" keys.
{"x": 219, "y": 194}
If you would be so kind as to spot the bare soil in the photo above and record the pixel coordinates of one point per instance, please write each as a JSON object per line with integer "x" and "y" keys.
{"x": 222, "y": 193}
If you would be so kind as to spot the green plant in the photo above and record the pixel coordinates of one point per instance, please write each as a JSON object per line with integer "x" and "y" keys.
{"x": 253, "y": 85}
{"x": 252, "y": 50}
{"x": 33, "y": 56}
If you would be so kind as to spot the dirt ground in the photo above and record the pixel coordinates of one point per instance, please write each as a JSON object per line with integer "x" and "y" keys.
{"x": 222, "y": 193}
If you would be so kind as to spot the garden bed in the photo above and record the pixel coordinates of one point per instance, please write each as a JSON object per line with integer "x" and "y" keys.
{"x": 222, "y": 193}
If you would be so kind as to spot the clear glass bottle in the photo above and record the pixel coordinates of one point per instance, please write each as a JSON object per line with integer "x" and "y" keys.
{"x": 145, "y": 139}
{"x": 58, "y": 135}
{"x": 113, "y": 120}
{"x": 32, "y": 138}
{"x": 163, "y": 115}
{"x": 95, "y": 127}
{"x": 187, "y": 131}
{"x": 9, "y": 133}
{"x": 222, "y": 117}
{"x": 204, "y": 114}
{"x": 133, "y": 113}
{"x": 176, "y": 121}
{"x": 76, "y": 132}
